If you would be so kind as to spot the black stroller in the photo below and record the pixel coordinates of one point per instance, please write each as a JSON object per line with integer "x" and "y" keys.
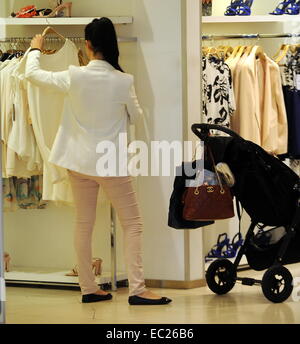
{"x": 269, "y": 191}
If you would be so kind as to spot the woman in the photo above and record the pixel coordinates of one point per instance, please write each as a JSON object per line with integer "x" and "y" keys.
{"x": 100, "y": 100}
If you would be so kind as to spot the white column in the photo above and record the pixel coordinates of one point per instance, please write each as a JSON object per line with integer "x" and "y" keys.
{"x": 194, "y": 266}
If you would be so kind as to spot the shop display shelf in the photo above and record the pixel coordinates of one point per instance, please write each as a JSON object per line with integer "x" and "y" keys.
{"x": 61, "y": 21}
{"x": 52, "y": 277}
{"x": 249, "y": 19}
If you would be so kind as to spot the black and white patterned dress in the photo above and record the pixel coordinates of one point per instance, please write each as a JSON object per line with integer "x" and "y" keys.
{"x": 290, "y": 75}
{"x": 218, "y": 96}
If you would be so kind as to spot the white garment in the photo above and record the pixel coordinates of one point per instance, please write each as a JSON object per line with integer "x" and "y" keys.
{"x": 21, "y": 137}
{"x": 5, "y": 108}
{"x": 6, "y": 98}
{"x": 13, "y": 163}
{"x": 46, "y": 106}
{"x": 99, "y": 103}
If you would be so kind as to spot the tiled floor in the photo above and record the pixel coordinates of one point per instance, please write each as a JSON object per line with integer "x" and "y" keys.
{"x": 244, "y": 304}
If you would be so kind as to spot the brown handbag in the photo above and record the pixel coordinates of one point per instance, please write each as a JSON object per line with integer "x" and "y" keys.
{"x": 208, "y": 202}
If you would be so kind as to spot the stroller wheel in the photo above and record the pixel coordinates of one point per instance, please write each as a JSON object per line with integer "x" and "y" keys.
{"x": 277, "y": 284}
{"x": 221, "y": 276}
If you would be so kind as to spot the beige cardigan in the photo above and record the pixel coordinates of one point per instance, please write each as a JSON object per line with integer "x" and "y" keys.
{"x": 261, "y": 115}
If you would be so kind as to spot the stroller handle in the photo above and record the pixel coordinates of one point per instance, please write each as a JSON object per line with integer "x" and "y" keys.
{"x": 202, "y": 130}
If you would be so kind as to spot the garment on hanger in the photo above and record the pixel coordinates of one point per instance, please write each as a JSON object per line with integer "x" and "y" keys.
{"x": 22, "y": 138}
{"x": 46, "y": 107}
{"x": 13, "y": 163}
{"x": 20, "y": 193}
{"x": 218, "y": 97}
{"x": 260, "y": 108}
{"x": 9, "y": 195}
{"x": 290, "y": 74}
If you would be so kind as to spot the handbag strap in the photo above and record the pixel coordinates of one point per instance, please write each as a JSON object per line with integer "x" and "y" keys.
{"x": 216, "y": 172}
{"x": 215, "y": 168}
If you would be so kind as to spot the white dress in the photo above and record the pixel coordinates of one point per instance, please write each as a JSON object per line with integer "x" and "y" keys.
{"x": 46, "y": 106}
{"x": 21, "y": 138}
{"x": 13, "y": 164}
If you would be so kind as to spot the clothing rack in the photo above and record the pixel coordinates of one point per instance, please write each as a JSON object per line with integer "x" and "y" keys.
{"x": 24, "y": 40}
{"x": 250, "y": 36}
{"x": 113, "y": 222}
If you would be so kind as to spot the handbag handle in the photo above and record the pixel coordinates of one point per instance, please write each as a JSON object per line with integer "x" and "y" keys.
{"x": 216, "y": 172}
{"x": 215, "y": 168}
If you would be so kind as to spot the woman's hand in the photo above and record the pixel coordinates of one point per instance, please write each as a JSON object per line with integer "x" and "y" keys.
{"x": 37, "y": 42}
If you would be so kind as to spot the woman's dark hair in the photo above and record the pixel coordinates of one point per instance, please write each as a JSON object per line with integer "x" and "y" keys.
{"x": 102, "y": 35}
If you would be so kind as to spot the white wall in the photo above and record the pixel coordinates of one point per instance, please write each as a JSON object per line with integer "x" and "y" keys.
{"x": 159, "y": 83}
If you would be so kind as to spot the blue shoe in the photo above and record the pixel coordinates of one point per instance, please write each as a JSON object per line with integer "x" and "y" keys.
{"x": 281, "y": 8}
{"x": 218, "y": 249}
{"x": 245, "y": 8}
{"x": 232, "y": 10}
{"x": 235, "y": 245}
{"x": 293, "y": 9}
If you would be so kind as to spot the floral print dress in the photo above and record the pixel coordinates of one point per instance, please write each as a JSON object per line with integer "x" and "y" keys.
{"x": 218, "y": 95}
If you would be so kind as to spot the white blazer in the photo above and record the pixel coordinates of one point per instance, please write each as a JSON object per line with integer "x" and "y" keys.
{"x": 100, "y": 101}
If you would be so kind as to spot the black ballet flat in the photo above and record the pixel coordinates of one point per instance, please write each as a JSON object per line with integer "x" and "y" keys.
{"x": 140, "y": 301}
{"x": 95, "y": 298}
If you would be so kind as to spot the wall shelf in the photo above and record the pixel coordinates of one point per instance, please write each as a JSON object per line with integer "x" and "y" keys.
{"x": 61, "y": 21}
{"x": 249, "y": 19}
{"x": 53, "y": 277}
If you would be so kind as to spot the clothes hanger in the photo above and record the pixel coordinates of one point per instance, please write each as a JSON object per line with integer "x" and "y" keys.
{"x": 49, "y": 30}
{"x": 225, "y": 51}
{"x": 282, "y": 53}
{"x": 279, "y": 51}
{"x": 241, "y": 51}
{"x": 248, "y": 50}
{"x": 294, "y": 48}
{"x": 259, "y": 53}
{"x": 212, "y": 51}
{"x": 204, "y": 51}
{"x": 228, "y": 51}
{"x": 234, "y": 53}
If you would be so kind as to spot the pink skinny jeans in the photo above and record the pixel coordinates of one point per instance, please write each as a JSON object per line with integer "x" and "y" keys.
{"x": 120, "y": 192}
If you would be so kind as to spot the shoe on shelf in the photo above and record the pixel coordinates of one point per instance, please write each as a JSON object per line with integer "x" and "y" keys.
{"x": 43, "y": 12}
{"x": 281, "y": 8}
{"x": 25, "y": 12}
{"x": 232, "y": 10}
{"x": 96, "y": 266}
{"x": 293, "y": 9}
{"x": 218, "y": 250}
{"x": 245, "y": 8}
{"x": 91, "y": 298}
{"x": 234, "y": 246}
{"x": 58, "y": 11}
{"x": 140, "y": 301}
